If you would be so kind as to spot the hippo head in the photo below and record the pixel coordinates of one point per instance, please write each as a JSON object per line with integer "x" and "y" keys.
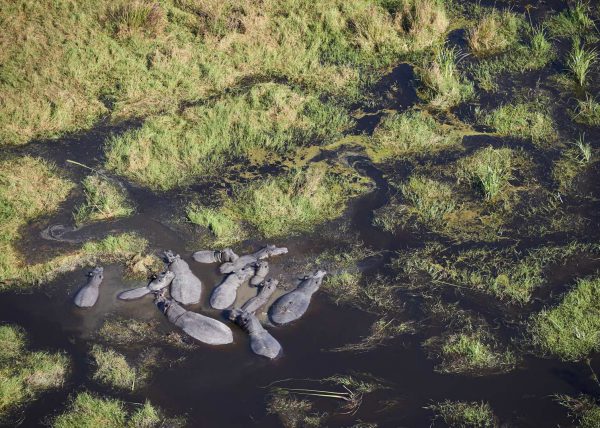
{"x": 245, "y": 273}
{"x": 97, "y": 271}
{"x": 270, "y": 284}
{"x": 240, "y": 317}
{"x": 273, "y": 250}
{"x": 162, "y": 302}
{"x": 319, "y": 274}
{"x": 165, "y": 275}
{"x": 227, "y": 255}
{"x": 170, "y": 256}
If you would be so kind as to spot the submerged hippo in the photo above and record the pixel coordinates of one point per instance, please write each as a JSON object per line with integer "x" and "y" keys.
{"x": 161, "y": 281}
{"x": 186, "y": 287}
{"x": 243, "y": 261}
{"x": 198, "y": 326}
{"x": 209, "y": 256}
{"x": 256, "y": 302}
{"x": 224, "y": 295}
{"x": 292, "y": 305}
{"x": 261, "y": 341}
{"x": 262, "y": 270}
{"x": 87, "y": 296}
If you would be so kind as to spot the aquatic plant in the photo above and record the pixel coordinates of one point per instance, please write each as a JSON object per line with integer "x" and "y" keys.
{"x": 464, "y": 414}
{"x": 104, "y": 200}
{"x": 579, "y": 62}
{"x": 583, "y": 409}
{"x": 585, "y": 149}
{"x": 588, "y": 112}
{"x": 575, "y": 21}
{"x": 494, "y": 33}
{"x": 523, "y": 120}
{"x": 430, "y": 200}
{"x": 572, "y": 162}
{"x": 292, "y": 412}
{"x": 111, "y": 368}
{"x": 443, "y": 86}
{"x": 26, "y": 374}
{"x": 174, "y": 149}
{"x": 410, "y": 133}
{"x": 570, "y": 330}
{"x": 87, "y": 410}
{"x": 488, "y": 170}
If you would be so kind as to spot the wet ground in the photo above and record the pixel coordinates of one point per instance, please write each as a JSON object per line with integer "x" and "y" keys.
{"x": 227, "y": 386}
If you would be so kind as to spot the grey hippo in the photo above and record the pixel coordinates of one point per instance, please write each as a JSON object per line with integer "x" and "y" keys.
{"x": 87, "y": 296}
{"x": 256, "y": 302}
{"x": 293, "y": 305}
{"x": 186, "y": 288}
{"x": 204, "y": 329}
{"x": 262, "y": 270}
{"x": 261, "y": 341}
{"x": 162, "y": 280}
{"x": 223, "y": 296}
{"x": 243, "y": 261}
{"x": 210, "y": 256}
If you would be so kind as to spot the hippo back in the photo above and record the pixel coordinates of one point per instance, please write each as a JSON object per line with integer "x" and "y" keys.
{"x": 204, "y": 329}
{"x": 186, "y": 288}
{"x": 87, "y": 296}
{"x": 289, "y": 307}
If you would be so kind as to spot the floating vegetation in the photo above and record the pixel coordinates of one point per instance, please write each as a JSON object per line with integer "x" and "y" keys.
{"x": 583, "y": 409}
{"x": 104, "y": 200}
{"x": 111, "y": 368}
{"x": 465, "y": 414}
{"x": 381, "y": 332}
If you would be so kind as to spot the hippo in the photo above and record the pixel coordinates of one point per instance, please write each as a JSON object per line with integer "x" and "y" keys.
{"x": 209, "y": 256}
{"x": 162, "y": 280}
{"x": 292, "y": 305}
{"x": 224, "y": 295}
{"x": 261, "y": 341}
{"x": 243, "y": 261}
{"x": 87, "y": 296}
{"x": 204, "y": 329}
{"x": 262, "y": 270}
{"x": 256, "y": 302}
{"x": 186, "y": 288}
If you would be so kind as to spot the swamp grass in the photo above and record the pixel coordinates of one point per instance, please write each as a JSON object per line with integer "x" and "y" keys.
{"x": 494, "y": 33}
{"x": 488, "y": 170}
{"x": 26, "y": 374}
{"x": 587, "y": 112}
{"x": 584, "y": 409}
{"x": 291, "y": 203}
{"x": 89, "y": 411}
{"x": 465, "y": 414}
{"x": 135, "y": 59}
{"x": 112, "y": 368}
{"x": 104, "y": 200}
{"x": 570, "y": 330}
{"x": 572, "y": 163}
{"x": 579, "y": 62}
{"x": 575, "y": 21}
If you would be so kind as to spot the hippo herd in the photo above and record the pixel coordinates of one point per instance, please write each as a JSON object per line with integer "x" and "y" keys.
{"x": 186, "y": 289}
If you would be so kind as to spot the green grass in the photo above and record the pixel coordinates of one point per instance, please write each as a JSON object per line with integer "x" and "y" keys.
{"x": 508, "y": 274}
{"x": 584, "y": 409}
{"x": 111, "y": 368}
{"x": 174, "y": 149}
{"x": 488, "y": 170}
{"x": 442, "y": 84}
{"x": 29, "y": 188}
{"x": 573, "y": 161}
{"x": 570, "y": 330}
{"x": 579, "y": 62}
{"x": 104, "y": 200}
{"x": 429, "y": 200}
{"x": 293, "y": 412}
{"x": 287, "y": 204}
{"x": 66, "y": 65}
{"x": 494, "y": 33}
{"x": 89, "y": 411}
{"x": 411, "y": 133}
{"x": 588, "y": 112}
{"x": 464, "y": 414}
{"x": 521, "y": 120}
{"x": 25, "y": 374}
{"x": 573, "y": 22}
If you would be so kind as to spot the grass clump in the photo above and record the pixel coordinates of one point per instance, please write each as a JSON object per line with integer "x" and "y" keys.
{"x": 494, "y": 33}
{"x": 430, "y": 200}
{"x": 138, "y": 16}
{"x": 89, "y": 411}
{"x": 570, "y": 330}
{"x": 104, "y": 200}
{"x": 522, "y": 120}
{"x": 443, "y": 86}
{"x": 111, "y": 368}
{"x": 292, "y": 203}
{"x": 464, "y": 414}
{"x": 588, "y": 112}
{"x": 26, "y": 374}
{"x": 571, "y": 164}
{"x": 579, "y": 62}
{"x": 174, "y": 149}
{"x": 488, "y": 170}
{"x": 573, "y": 22}
{"x": 29, "y": 188}
{"x": 509, "y": 274}
{"x": 410, "y": 133}
{"x": 584, "y": 409}
{"x": 293, "y": 412}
